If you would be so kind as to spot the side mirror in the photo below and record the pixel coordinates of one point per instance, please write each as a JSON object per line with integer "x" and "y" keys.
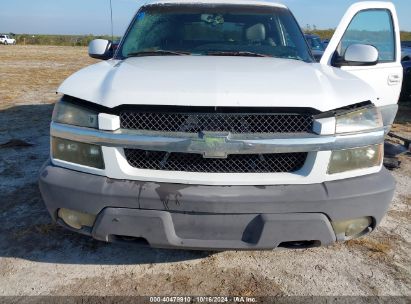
{"x": 100, "y": 49}
{"x": 360, "y": 55}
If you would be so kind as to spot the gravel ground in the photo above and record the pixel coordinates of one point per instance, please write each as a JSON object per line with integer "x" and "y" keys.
{"x": 39, "y": 258}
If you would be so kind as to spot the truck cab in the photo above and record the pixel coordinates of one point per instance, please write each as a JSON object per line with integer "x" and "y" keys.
{"x": 213, "y": 127}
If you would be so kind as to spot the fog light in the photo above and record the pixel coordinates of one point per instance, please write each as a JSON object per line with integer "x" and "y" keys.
{"x": 76, "y": 219}
{"x": 353, "y": 159}
{"x": 349, "y": 229}
{"x": 77, "y": 152}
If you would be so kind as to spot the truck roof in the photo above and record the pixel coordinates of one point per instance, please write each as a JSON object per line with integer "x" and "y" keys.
{"x": 238, "y": 2}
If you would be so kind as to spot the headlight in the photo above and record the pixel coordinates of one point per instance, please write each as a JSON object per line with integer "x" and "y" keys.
{"x": 353, "y": 159}
{"x": 77, "y": 152}
{"x": 73, "y": 114}
{"x": 360, "y": 120}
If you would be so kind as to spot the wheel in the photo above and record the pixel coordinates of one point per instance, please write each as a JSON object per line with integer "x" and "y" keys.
{"x": 6, "y": 43}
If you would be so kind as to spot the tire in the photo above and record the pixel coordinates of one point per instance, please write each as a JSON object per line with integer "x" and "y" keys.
{"x": 6, "y": 43}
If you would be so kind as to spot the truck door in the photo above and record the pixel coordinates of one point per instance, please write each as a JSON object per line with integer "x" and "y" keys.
{"x": 375, "y": 24}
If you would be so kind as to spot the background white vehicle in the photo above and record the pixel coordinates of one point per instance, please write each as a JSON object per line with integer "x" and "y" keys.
{"x": 5, "y": 39}
{"x": 213, "y": 127}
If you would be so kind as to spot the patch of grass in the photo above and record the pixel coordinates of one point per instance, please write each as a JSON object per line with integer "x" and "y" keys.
{"x": 407, "y": 199}
{"x": 43, "y": 229}
{"x": 32, "y": 74}
{"x": 380, "y": 247}
{"x": 22, "y": 233}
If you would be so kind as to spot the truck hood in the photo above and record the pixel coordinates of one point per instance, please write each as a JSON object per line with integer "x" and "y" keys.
{"x": 218, "y": 82}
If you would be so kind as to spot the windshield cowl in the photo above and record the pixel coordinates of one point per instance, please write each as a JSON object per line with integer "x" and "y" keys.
{"x": 157, "y": 53}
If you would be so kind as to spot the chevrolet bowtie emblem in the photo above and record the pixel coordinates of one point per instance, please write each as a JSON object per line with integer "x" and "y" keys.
{"x": 215, "y": 147}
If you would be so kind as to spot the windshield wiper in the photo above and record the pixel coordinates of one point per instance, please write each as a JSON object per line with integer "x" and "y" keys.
{"x": 236, "y": 53}
{"x": 157, "y": 53}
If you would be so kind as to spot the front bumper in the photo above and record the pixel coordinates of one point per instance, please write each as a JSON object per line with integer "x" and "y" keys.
{"x": 215, "y": 217}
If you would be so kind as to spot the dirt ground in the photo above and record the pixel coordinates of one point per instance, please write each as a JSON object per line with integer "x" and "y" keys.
{"x": 39, "y": 258}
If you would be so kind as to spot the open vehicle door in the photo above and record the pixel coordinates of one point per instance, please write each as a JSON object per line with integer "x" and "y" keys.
{"x": 368, "y": 27}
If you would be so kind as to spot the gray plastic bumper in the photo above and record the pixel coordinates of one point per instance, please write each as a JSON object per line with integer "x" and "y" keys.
{"x": 215, "y": 217}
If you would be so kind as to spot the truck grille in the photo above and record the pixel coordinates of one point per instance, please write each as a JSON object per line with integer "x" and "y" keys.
{"x": 235, "y": 163}
{"x": 217, "y": 122}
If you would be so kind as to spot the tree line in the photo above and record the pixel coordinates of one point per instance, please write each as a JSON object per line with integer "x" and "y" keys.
{"x": 327, "y": 34}
{"x": 84, "y": 40}
{"x": 58, "y": 40}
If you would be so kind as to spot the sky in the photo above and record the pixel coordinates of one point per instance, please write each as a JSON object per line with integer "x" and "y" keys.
{"x": 93, "y": 16}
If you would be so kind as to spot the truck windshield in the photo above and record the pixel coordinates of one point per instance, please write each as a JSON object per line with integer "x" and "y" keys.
{"x": 214, "y": 30}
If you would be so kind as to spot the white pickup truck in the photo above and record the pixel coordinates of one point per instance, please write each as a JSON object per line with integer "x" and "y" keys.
{"x": 5, "y": 39}
{"x": 213, "y": 127}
